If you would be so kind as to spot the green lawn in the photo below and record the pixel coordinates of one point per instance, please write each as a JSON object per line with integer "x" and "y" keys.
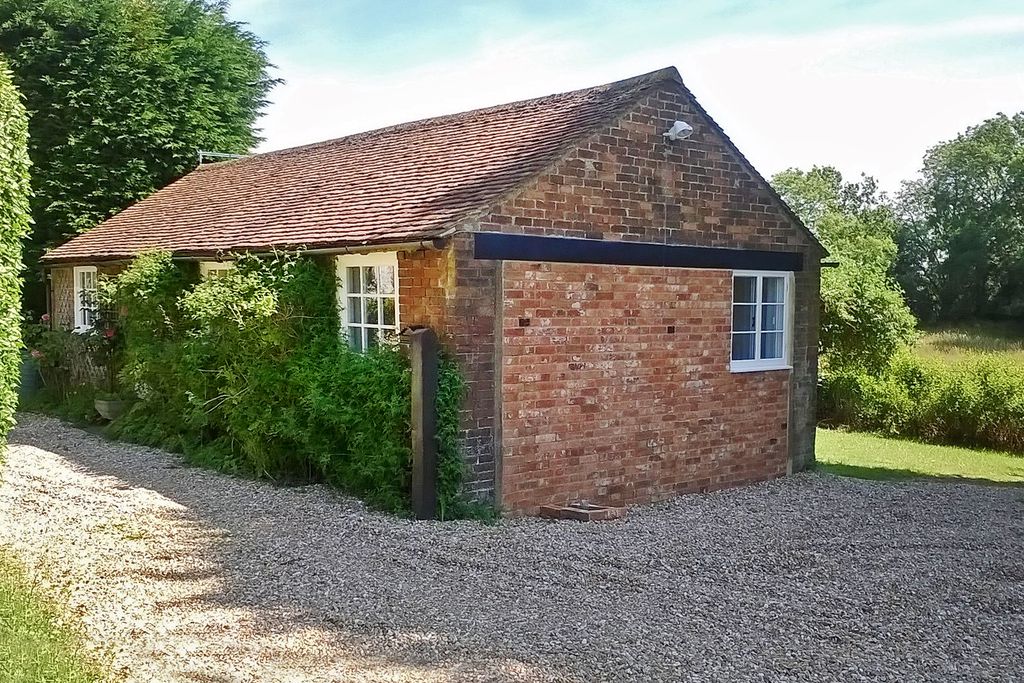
{"x": 867, "y": 456}
{"x": 33, "y": 649}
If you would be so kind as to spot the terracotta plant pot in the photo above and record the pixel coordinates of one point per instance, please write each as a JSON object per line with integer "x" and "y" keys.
{"x": 111, "y": 409}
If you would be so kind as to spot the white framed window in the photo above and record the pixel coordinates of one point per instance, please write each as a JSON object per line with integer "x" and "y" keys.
{"x": 86, "y": 303}
{"x": 762, "y": 320}
{"x": 211, "y": 269}
{"x": 368, "y": 297}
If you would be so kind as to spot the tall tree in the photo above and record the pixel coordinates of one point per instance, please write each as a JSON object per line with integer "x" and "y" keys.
{"x": 962, "y": 244}
{"x": 14, "y": 223}
{"x": 121, "y": 94}
{"x": 864, "y": 318}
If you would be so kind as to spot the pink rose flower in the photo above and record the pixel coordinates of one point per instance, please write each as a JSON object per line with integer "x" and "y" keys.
{"x": 45, "y": 318}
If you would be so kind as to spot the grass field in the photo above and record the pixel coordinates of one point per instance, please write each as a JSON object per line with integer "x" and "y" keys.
{"x": 957, "y": 342}
{"x": 33, "y": 649}
{"x": 868, "y": 456}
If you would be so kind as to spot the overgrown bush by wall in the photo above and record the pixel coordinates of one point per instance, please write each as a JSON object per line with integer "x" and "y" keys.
{"x": 247, "y": 373}
{"x": 978, "y": 401}
{"x": 14, "y": 225}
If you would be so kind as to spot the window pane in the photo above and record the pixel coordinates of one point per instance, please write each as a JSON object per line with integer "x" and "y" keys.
{"x": 386, "y": 279}
{"x": 388, "y": 311}
{"x": 371, "y": 337}
{"x": 771, "y": 345}
{"x": 773, "y": 290}
{"x": 744, "y": 290}
{"x": 355, "y": 310}
{"x": 369, "y": 279}
{"x": 743, "y": 346}
{"x": 744, "y": 317}
{"x": 355, "y": 338}
{"x": 372, "y": 307}
{"x": 772, "y": 317}
{"x": 353, "y": 281}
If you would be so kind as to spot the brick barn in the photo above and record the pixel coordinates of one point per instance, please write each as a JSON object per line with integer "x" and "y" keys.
{"x": 635, "y": 310}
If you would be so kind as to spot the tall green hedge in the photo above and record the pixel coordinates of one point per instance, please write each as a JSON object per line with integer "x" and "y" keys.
{"x": 977, "y": 401}
{"x": 14, "y": 226}
{"x": 246, "y": 373}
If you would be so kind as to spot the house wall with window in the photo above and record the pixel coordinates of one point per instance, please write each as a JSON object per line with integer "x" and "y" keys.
{"x": 409, "y": 289}
{"x": 618, "y": 386}
{"x": 73, "y": 294}
{"x": 592, "y": 409}
{"x": 73, "y": 307}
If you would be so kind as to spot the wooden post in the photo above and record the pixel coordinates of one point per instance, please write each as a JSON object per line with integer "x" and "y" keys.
{"x": 423, "y": 353}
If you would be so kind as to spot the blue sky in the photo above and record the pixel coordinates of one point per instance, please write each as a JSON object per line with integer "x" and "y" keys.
{"x": 867, "y": 86}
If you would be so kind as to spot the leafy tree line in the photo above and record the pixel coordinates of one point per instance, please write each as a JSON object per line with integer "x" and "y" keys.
{"x": 121, "y": 94}
{"x": 948, "y": 247}
{"x": 961, "y": 237}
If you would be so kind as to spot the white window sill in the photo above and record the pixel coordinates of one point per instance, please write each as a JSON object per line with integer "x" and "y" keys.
{"x": 757, "y": 366}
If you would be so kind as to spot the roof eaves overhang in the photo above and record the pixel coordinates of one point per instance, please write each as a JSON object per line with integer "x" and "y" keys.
{"x": 426, "y": 243}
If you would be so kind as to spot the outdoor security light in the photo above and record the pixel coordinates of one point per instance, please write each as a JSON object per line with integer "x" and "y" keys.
{"x": 680, "y": 130}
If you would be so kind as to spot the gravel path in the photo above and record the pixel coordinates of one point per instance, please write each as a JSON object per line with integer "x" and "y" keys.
{"x": 180, "y": 574}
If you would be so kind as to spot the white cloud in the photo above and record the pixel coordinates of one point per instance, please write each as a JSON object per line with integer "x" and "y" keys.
{"x": 870, "y": 99}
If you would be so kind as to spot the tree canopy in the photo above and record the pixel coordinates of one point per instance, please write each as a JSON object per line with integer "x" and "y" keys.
{"x": 14, "y": 225}
{"x": 962, "y": 236}
{"x": 121, "y": 94}
{"x": 864, "y": 319}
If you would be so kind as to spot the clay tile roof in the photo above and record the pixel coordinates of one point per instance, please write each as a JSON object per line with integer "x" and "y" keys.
{"x": 408, "y": 182}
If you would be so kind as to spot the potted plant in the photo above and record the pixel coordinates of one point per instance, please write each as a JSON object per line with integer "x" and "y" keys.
{"x": 106, "y": 349}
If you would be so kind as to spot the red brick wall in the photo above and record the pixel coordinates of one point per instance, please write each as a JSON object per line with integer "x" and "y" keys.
{"x": 425, "y": 285}
{"x": 474, "y": 343}
{"x": 627, "y": 182}
{"x": 459, "y": 304}
{"x": 616, "y": 387}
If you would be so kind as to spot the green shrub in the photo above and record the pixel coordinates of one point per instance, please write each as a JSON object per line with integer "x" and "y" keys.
{"x": 864, "y": 319}
{"x": 977, "y": 401}
{"x": 246, "y": 373}
{"x": 14, "y": 225}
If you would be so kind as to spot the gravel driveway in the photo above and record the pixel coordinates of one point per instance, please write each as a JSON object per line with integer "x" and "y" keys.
{"x": 180, "y": 574}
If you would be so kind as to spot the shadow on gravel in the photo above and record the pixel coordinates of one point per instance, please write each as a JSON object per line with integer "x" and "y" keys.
{"x": 805, "y": 578}
{"x": 368, "y": 593}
